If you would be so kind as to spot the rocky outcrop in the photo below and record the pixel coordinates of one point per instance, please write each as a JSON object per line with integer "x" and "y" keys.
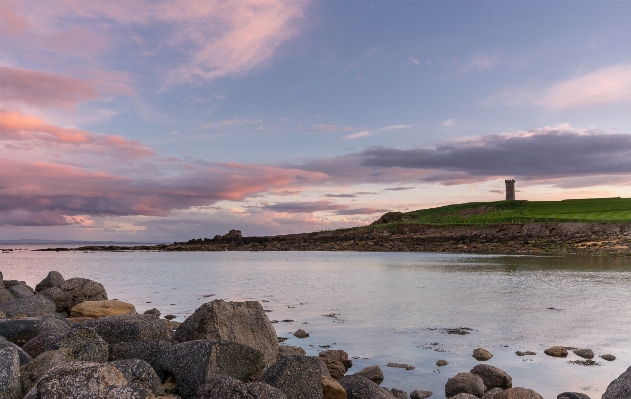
{"x": 619, "y": 388}
{"x": 98, "y": 309}
{"x": 127, "y": 328}
{"x": 464, "y": 383}
{"x": 22, "y": 330}
{"x": 298, "y": 377}
{"x": 242, "y": 322}
{"x": 225, "y": 387}
{"x": 493, "y": 377}
{"x": 29, "y": 306}
{"x": 74, "y": 291}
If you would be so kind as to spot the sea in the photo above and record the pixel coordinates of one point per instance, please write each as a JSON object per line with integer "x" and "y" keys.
{"x": 410, "y": 308}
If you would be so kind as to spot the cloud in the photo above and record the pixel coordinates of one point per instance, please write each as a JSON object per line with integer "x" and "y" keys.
{"x": 449, "y": 123}
{"x": 304, "y": 207}
{"x": 350, "y": 195}
{"x": 398, "y": 188}
{"x": 361, "y": 211}
{"x": 368, "y": 133}
{"x": 232, "y": 122}
{"x": 357, "y": 135}
{"x": 480, "y": 63}
{"x": 318, "y": 128}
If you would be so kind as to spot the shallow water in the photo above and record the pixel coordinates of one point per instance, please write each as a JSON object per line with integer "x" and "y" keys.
{"x": 392, "y": 307}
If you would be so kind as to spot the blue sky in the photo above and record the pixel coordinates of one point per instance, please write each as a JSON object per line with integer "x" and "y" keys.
{"x": 168, "y": 121}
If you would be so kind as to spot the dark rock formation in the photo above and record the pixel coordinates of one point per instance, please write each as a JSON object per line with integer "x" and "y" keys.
{"x": 358, "y": 387}
{"x": 54, "y": 279}
{"x": 140, "y": 373}
{"x": 22, "y": 330}
{"x": 74, "y": 291}
{"x": 298, "y": 377}
{"x": 224, "y": 387}
{"x": 85, "y": 344}
{"x": 10, "y": 386}
{"x": 373, "y": 373}
{"x": 147, "y": 350}
{"x": 620, "y": 388}
{"x": 126, "y": 328}
{"x": 30, "y": 306}
{"x": 31, "y": 372}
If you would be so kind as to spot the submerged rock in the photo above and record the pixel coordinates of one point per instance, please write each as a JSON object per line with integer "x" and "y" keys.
{"x": 609, "y": 358}
{"x": 441, "y": 363}
{"x": 300, "y": 333}
{"x": 526, "y": 353}
{"x": 584, "y": 353}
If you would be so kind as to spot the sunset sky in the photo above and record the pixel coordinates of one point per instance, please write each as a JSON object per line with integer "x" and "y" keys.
{"x": 170, "y": 120}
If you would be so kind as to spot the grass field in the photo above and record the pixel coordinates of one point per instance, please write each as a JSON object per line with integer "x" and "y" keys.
{"x": 590, "y": 210}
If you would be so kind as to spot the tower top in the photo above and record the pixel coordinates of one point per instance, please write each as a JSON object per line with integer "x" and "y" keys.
{"x": 509, "y": 181}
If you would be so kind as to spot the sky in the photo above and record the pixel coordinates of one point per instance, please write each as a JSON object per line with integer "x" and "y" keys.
{"x": 169, "y": 120}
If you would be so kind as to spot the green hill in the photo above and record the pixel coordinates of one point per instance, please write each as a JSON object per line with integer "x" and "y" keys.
{"x": 591, "y": 210}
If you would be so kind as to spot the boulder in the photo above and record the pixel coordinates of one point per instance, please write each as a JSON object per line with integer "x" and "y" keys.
{"x": 10, "y": 386}
{"x": 20, "y": 291}
{"x": 54, "y": 279}
{"x": 225, "y": 387}
{"x": 331, "y": 389}
{"x": 140, "y": 373}
{"x": 298, "y": 377}
{"x": 24, "y": 356}
{"x": 609, "y": 358}
{"x": 399, "y": 394}
{"x": 147, "y": 350}
{"x": 373, "y": 373}
{"x": 572, "y": 395}
{"x": 126, "y": 328}
{"x": 85, "y": 344}
{"x": 98, "y": 309}
{"x": 491, "y": 393}
{"x": 358, "y": 387}
{"x": 482, "y": 354}
{"x": 441, "y": 363}
{"x": 74, "y": 291}
{"x": 22, "y": 330}
{"x": 336, "y": 361}
{"x": 518, "y": 393}
{"x": 556, "y": 351}
{"x": 191, "y": 363}
{"x": 153, "y": 311}
{"x": 620, "y": 388}
{"x": 31, "y": 372}
{"x": 242, "y": 322}
{"x": 80, "y": 380}
{"x": 418, "y": 394}
{"x": 464, "y": 383}
{"x": 291, "y": 351}
{"x": 584, "y": 353}
{"x": 493, "y": 377}
{"x": 31, "y": 306}
{"x": 300, "y": 333}
{"x": 41, "y": 343}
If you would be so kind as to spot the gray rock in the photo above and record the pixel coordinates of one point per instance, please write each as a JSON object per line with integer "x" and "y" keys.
{"x": 10, "y": 386}
{"x": 493, "y": 377}
{"x": 518, "y": 393}
{"x": 358, "y": 387}
{"x": 24, "y": 357}
{"x": 373, "y": 373}
{"x": 20, "y": 291}
{"x": 140, "y": 373}
{"x": 22, "y": 330}
{"x": 31, "y": 372}
{"x": 291, "y": 351}
{"x": 399, "y": 394}
{"x": 154, "y": 312}
{"x": 224, "y": 387}
{"x": 147, "y": 350}
{"x": 298, "y": 377}
{"x": 85, "y": 344}
{"x": 572, "y": 395}
{"x": 526, "y": 353}
{"x": 418, "y": 394}
{"x": 79, "y": 380}
{"x": 464, "y": 383}
{"x": 242, "y": 322}
{"x": 491, "y": 394}
{"x": 54, "y": 279}
{"x": 482, "y": 354}
{"x": 32, "y": 306}
{"x": 74, "y": 291}
{"x": 191, "y": 363}
{"x": 126, "y": 328}
{"x": 584, "y": 353}
{"x": 620, "y": 388}
{"x": 441, "y": 363}
{"x": 609, "y": 358}
{"x": 41, "y": 343}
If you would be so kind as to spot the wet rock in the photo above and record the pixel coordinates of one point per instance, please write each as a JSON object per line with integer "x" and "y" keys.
{"x": 464, "y": 383}
{"x": 373, "y": 373}
{"x": 31, "y": 372}
{"x": 358, "y": 387}
{"x": 78, "y": 380}
{"x": 41, "y": 343}
{"x": 518, "y": 393}
{"x": 242, "y": 322}
{"x": 399, "y": 394}
{"x": 291, "y": 351}
{"x": 584, "y": 353}
{"x": 192, "y": 362}
{"x": 620, "y": 388}
{"x": 20, "y": 291}
{"x": 85, "y": 345}
{"x": 441, "y": 363}
{"x": 22, "y": 330}
{"x": 31, "y": 306}
{"x": 572, "y": 395}
{"x": 482, "y": 354}
{"x": 140, "y": 373}
{"x": 556, "y": 351}
{"x": 491, "y": 394}
{"x": 147, "y": 350}
{"x": 526, "y": 353}
{"x": 493, "y": 377}
{"x": 609, "y": 358}
{"x": 225, "y": 387}
{"x": 154, "y": 312}
{"x": 126, "y": 328}
{"x": 98, "y": 309}
{"x": 300, "y": 333}
{"x": 297, "y": 376}
{"x": 54, "y": 279}
{"x": 418, "y": 394}
{"x": 10, "y": 386}
{"x": 74, "y": 291}
{"x": 331, "y": 389}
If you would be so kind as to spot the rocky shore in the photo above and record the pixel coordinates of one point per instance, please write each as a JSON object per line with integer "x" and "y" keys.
{"x": 66, "y": 339}
{"x": 591, "y": 239}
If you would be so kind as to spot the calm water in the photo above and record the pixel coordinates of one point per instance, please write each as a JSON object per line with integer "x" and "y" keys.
{"x": 392, "y": 307}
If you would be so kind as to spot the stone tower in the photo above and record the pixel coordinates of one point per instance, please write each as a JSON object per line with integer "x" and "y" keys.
{"x": 510, "y": 190}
